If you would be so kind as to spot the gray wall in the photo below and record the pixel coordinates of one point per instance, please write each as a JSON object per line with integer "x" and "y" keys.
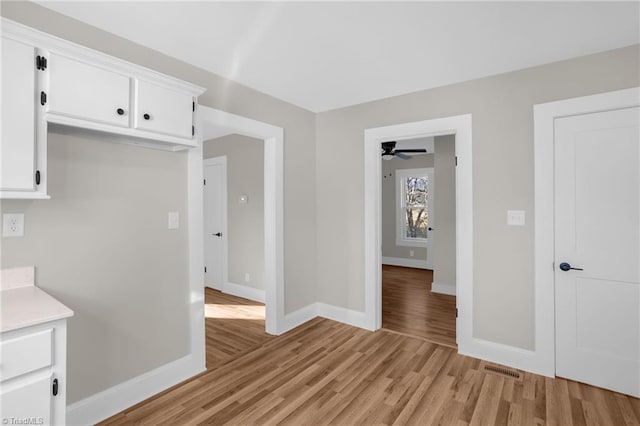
{"x": 245, "y": 222}
{"x": 76, "y": 230}
{"x": 502, "y": 108}
{"x": 389, "y": 206}
{"x": 101, "y": 245}
{"x": 444, "y": 210}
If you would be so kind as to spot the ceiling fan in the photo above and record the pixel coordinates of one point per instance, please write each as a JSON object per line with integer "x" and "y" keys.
{"x": 389, "y": 151}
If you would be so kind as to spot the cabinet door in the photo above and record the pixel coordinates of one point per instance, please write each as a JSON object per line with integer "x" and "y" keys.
{"x": 86, "y": 91}
{"x": 17, "y": 146}
{"x": 163, "y": 110}
{"x": 27, "y": 399}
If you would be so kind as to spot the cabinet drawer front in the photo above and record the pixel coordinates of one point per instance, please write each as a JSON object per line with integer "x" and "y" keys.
{"x": 85, "y": 91}
{"x": 167, "y": 111}
{"x": 17, "y": 153}
{"x": 24, "y": 354}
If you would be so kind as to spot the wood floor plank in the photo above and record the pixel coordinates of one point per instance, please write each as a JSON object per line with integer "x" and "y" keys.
{"x": 325, "y": 372}
{"x": 409, "y": 307}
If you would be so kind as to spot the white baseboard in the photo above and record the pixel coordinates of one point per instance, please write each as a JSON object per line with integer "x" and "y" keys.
{"x": 244, "y": 291}
{"x": 407, "y": 263}
{"x": 111, "y": 401}
{"x": 343, "y": 315}
{"x": 335, "y": 313}
{"x": 443, "y": 289}
{"x": 299, "y": 317}
{"x": 511, "y": 356}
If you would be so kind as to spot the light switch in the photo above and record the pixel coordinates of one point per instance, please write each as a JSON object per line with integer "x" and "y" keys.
{"x": 174, "y": 220}
{"x": 515, "y": 217}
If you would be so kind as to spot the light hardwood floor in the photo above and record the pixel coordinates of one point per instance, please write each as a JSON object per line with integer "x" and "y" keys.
{"x": 233, "y": 326}
{"x": 409, "y": 306}
{"x": 325, "y": 372}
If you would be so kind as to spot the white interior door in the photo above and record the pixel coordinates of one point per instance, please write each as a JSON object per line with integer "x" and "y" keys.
{"x": 215, "y": 207}
{"x": 597, "y": 229}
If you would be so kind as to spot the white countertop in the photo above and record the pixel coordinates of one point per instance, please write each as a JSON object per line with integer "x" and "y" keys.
{"x": 27, "y": 305}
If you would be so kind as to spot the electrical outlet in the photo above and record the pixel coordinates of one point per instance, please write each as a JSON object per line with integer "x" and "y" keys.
{"x": 247, "y": 277}
{"x": 411, "y": 253}
{"x": 13, "y": 225}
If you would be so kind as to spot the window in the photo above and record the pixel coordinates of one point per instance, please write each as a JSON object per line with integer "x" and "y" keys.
{"x": 413, "y": 188}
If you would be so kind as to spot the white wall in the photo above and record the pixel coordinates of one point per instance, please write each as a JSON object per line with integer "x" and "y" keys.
{"x": 101, "y": 246}
{"x": 245, "y": 224}
{"x": 77, "y": 240}
{"x": 502, "y": 109}
{"x": 444, "y": 215}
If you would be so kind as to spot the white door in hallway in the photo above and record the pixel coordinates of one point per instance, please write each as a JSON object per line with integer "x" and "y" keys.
{"x": 597, "y": 253}
{"x": 215, "y": 207}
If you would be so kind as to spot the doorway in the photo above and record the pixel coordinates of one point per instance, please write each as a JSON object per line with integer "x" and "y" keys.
{"x": 234, "y": 216}
{"x": 460, "y": 126}
{"x": 214, "y": 123}
{"x": 587, "y": 243}
{"x": 418, "y": 250}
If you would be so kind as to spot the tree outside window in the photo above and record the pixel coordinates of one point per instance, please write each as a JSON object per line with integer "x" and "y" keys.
{"x": 413, "y": 188}
{"x": 416, "y": 217}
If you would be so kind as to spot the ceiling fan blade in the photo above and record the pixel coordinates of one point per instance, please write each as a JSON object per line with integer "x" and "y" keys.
{"x": 401, "y": 155}
{"x": 410, "y": 150}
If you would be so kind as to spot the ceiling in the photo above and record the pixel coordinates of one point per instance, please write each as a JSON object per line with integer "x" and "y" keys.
{"x": 327, "y": 55}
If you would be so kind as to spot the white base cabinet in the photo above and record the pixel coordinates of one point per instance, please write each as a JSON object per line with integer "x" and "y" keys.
{"x": 33, "y": 374}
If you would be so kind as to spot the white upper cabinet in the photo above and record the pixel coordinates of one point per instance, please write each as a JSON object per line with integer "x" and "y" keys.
{"x": 18, "y": 143}
{"x": 163, "y": 110}
{"x": 49, "y": 81}
{"x": 81, "y": 90}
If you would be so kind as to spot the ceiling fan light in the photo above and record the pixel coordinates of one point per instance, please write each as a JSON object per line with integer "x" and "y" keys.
{"x": 387, "y": 156}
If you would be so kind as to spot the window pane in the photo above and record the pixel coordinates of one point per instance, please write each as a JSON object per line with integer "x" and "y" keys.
{"x": 416, "y": 222}
{"x": 416, "y": 190}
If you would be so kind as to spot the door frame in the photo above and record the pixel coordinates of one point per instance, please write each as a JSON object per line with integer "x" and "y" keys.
{"x": 544, "y": 184}
{"x": 461, "y": 127}
{"x": 273, "y": 136}
{"x": 221, "y": 161}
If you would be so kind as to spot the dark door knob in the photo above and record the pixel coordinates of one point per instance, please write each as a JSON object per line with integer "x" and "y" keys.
{"x": 430, "y": 229}
{"x": 120, "y": 111}
{"x": 146, "y": 116}
{"x": 219, "y": 234}
{"x": 567, "y": 267}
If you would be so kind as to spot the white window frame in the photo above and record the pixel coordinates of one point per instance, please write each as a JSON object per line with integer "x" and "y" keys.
{"x": 401, "y": 175}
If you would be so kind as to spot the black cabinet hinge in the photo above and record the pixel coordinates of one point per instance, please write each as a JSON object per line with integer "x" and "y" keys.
{"x": 456, "y": 312}
{"x": 205, "y": 269}
{"x": 43, "y": 98}
{"x": 55, "y": 387}
{"x": 205, "y": 181}
{"x": 456, "y": 160}
{"x": 41, "y": 63}
{"x": 193, "y": 130}
{"x": 37, "y": 177}
{"x": 193, "y": 106}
